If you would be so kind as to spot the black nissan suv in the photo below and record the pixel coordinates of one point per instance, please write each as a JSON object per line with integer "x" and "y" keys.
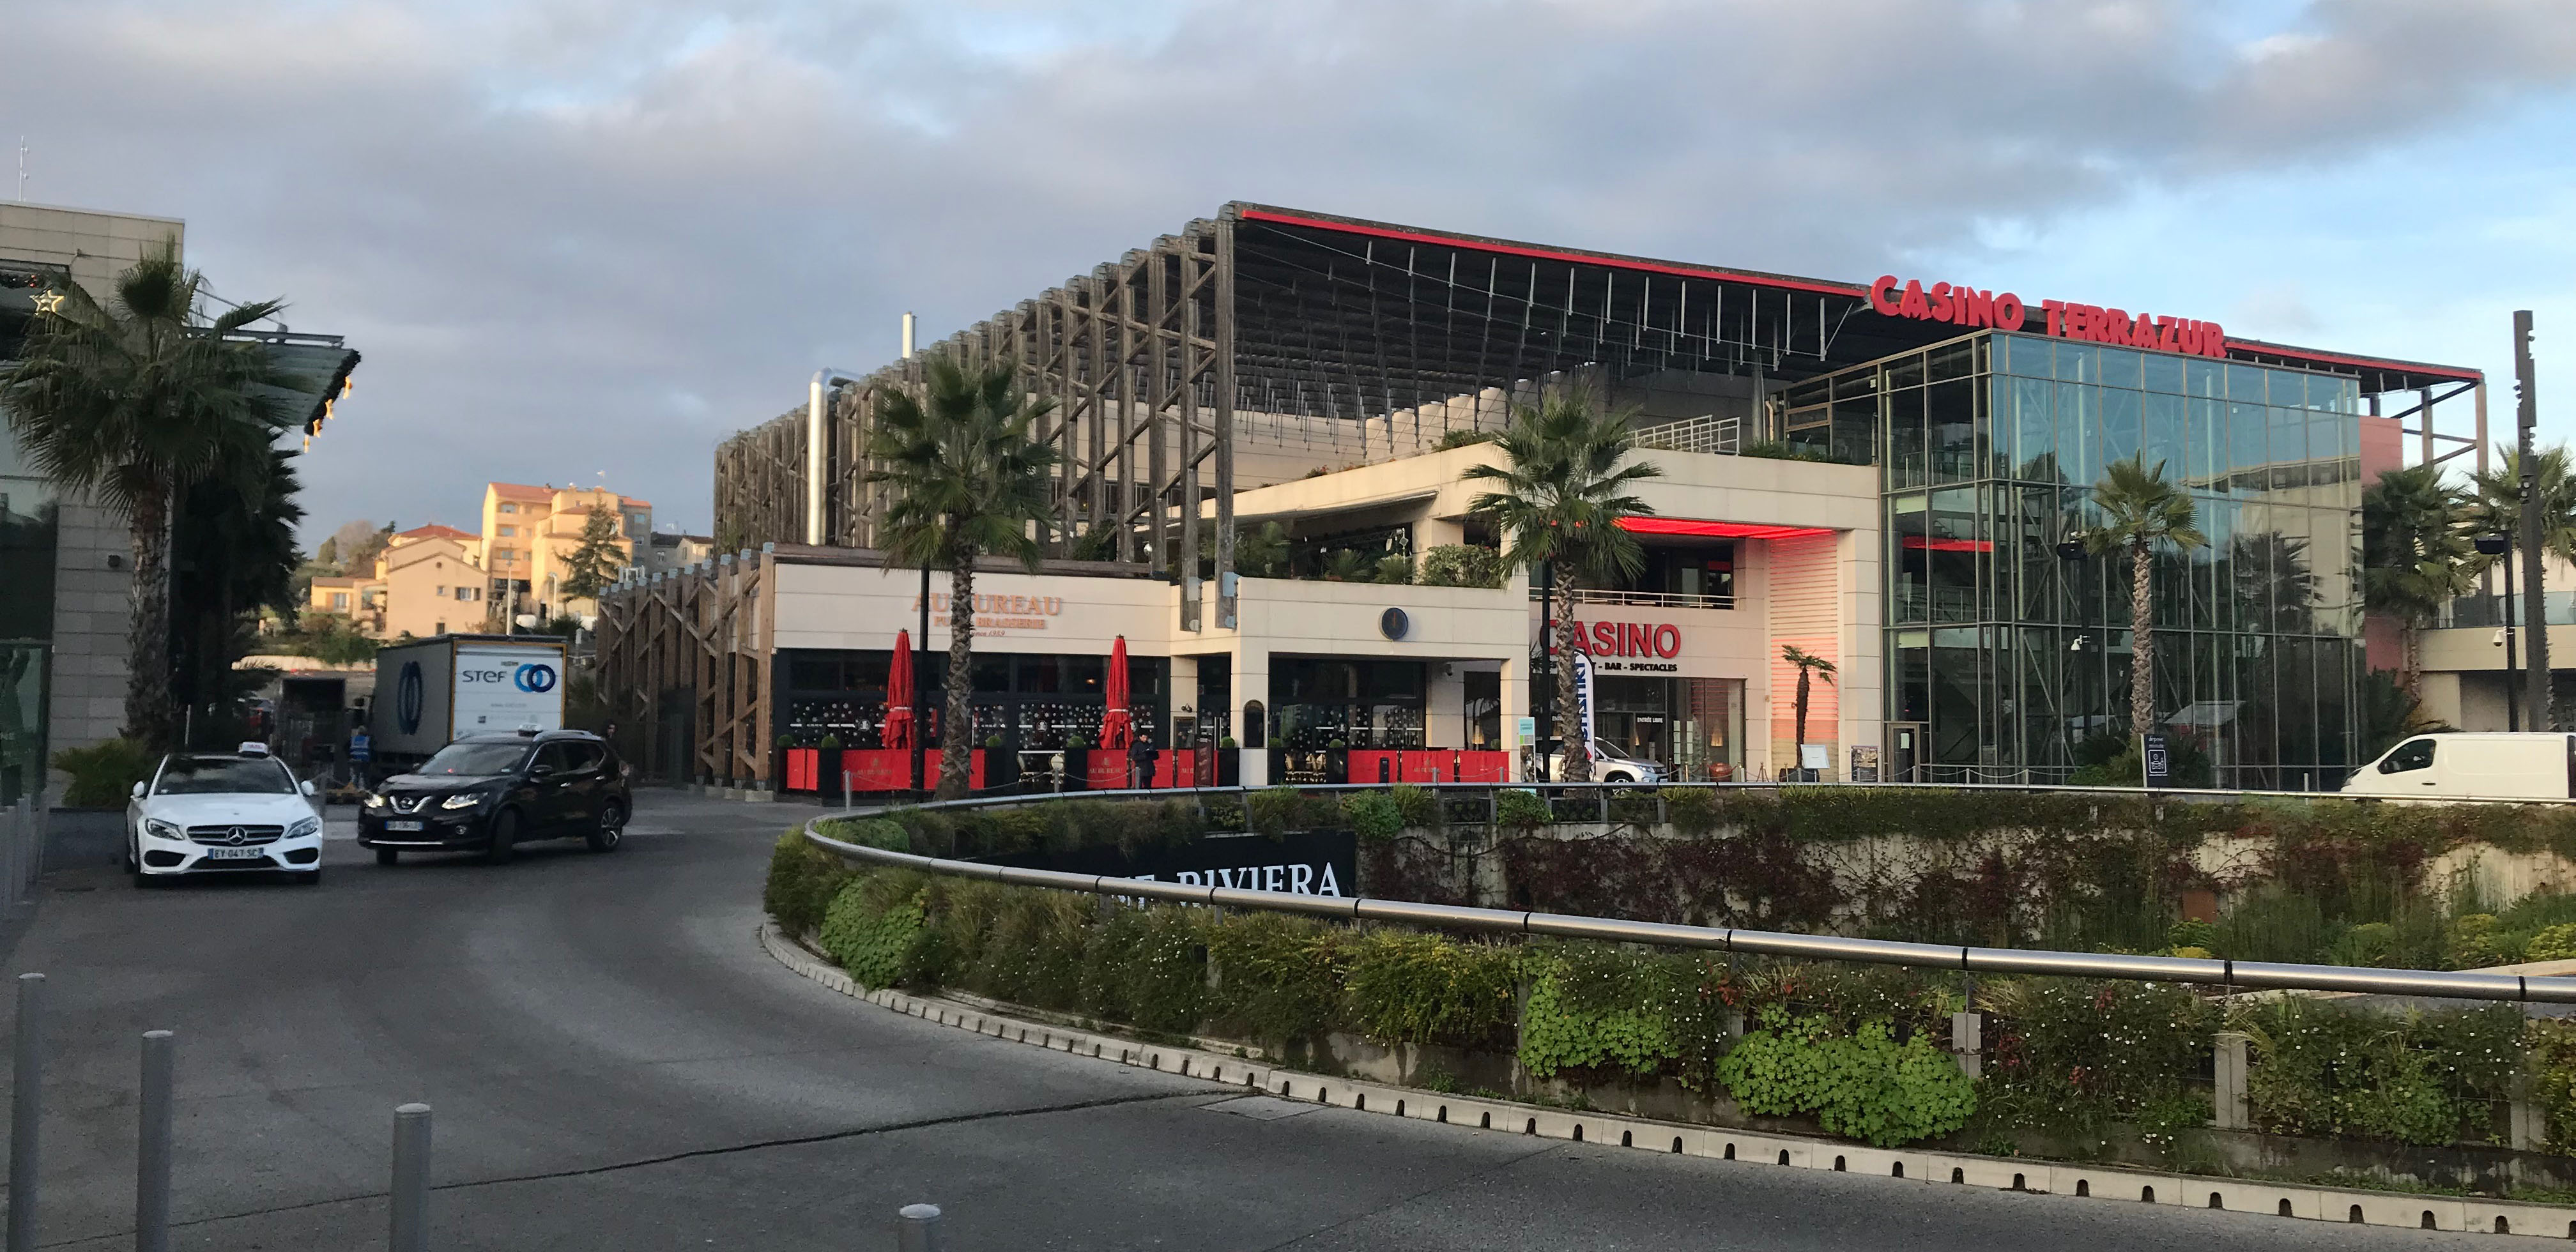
{"x": 494, "y": 792}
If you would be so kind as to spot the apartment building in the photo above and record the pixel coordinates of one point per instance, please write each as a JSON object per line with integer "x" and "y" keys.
{"x": 530, "y": 534}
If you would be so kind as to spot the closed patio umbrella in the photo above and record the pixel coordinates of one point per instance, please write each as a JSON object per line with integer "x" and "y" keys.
{"x": 899, "y": 718}
{"x": 1117, "y": 724}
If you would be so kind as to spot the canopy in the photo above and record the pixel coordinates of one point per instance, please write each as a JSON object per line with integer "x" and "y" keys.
{"x": 1117, "y": 724}
{"x": 899, "y": 718}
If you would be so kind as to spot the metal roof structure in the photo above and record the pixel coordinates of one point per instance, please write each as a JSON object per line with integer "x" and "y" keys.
{"x": 1300, "y": 316}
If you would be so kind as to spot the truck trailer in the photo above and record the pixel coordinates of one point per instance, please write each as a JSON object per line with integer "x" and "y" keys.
{"x": 433, "y": 690}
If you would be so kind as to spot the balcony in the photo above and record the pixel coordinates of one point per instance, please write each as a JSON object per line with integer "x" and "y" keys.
{"x": 2557, "y": 607}
{"x": 1640, "y": 599}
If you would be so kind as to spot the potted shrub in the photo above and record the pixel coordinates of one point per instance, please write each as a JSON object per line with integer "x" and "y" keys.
{"x": 827, "y": 765}
{"x": 1001, "y": 769}
{"x": 1229, "y": 763}
{"x": 1337, "y": 761}
{"x": 1076, "y": 774}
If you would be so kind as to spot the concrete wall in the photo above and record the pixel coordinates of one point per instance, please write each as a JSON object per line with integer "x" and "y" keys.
{"x": 93, "y": 583}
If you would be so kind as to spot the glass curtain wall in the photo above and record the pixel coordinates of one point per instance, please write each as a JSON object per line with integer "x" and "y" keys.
{"x": 2014, "y": 654}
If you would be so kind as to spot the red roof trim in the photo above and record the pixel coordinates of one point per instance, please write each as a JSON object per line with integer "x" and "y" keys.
{"x": 1717, "y": 530}
{"x": 1553, "y": 254}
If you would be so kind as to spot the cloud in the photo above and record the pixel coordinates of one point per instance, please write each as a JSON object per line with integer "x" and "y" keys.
{"x": 578, "y": 233}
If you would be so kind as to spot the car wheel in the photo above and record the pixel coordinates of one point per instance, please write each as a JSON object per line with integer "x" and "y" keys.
{"x": 611, "y": 829}
{"x": 387, "y": 856}
{"x": 505, "y": 837}
{"x": 1619, "y": 778}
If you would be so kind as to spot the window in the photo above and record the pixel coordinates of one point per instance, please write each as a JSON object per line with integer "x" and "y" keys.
{"x": 469, "y": 593}
{"x": 438, "y": 629}
{"x": 441, "y": 591}
{"x": 509, "y": 508}
{"x": 508, "y": 532}
{"x": 2413, "y": 754}
{"x": 339, "y": 599}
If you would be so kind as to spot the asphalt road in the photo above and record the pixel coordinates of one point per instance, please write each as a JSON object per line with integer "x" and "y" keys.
{"x": 614, "y": 1063}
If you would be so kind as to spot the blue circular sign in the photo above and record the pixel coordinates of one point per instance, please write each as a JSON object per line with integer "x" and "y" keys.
{"x": 409, "y": 694}
{"x": 535, "y": 678}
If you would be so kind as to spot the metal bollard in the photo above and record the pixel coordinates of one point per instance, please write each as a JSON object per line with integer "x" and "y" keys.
{"x": 916, "y": 1228}
{"x": 25, "y": 1106}
{"x": 152, "y": 1145}
{"x": 411, "y": 1179}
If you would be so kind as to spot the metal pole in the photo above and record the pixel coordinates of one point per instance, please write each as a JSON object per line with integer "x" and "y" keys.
{"x": 411, "y": 1179}
{"x": 2512, "y": 667}
{"x": 916, "y": 1228}
{"x": 152, "y": 1145}
{"x": 2535, "y": 609}
{"x": 25, "y": 1107}
{"x": 921, "y": 685}
{"x": 1543, "y": 697}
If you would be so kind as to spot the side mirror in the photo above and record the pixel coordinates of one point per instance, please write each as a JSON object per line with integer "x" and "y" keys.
{"x": 138, "y": 791}
{"x": 308, "y": 787}
{"x": 540, "y": 770}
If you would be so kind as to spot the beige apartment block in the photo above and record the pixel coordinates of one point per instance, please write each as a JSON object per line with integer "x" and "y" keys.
{"x": 531, "y": 532}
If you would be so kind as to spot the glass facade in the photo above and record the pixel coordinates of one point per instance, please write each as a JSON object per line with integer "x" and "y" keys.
{"x": 27, "y": 532}
{"x": 2009, "y": 654}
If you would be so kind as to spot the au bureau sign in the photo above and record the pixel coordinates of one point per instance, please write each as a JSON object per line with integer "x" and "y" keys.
{"x": 998, "y": 613}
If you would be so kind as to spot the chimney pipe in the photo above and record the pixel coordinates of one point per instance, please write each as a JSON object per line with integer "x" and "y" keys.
{"x": 818, "y": 408}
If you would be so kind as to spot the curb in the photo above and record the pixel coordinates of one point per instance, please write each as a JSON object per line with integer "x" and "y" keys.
{"x": 2326, "y": 1204}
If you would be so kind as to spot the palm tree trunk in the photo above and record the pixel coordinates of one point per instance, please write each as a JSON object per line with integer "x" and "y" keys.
{"x": 2142, "y": 647}
{"x": 1575, "y": 748}
{"x": 957, "y": 726}
{"x": 1799, "y": 753}
{"x": 2410, "y": 658}
{"x": 147, "y": 679}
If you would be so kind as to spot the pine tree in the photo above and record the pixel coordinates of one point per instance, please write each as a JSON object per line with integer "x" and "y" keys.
{"x": 592, "y": 567}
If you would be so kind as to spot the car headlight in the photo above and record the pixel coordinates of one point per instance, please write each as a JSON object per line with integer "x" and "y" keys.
{"x": 308, "y": 826}
{"x": 375, "y": 801}
{"x": 159, "y": 829}
{"x": 465, "y": 801}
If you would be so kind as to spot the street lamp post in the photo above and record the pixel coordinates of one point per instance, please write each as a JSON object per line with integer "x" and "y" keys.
{"x": 2501, "y": 545}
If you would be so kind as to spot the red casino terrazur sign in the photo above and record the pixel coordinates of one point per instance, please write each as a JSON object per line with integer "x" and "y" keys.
{"x": 1964, "y": 306}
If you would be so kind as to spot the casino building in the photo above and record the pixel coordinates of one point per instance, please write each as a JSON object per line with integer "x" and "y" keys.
{"x": 1265, "y": 417}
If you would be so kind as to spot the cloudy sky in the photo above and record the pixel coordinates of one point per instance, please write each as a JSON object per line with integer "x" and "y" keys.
{"x": 577, "y": 238}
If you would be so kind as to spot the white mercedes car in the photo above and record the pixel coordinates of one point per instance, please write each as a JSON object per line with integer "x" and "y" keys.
{"x": 206, "y": 813}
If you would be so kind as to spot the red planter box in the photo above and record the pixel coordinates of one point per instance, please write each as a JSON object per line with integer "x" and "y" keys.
{"x": 1370, "y": 766}
{"x": 890, "y": 769}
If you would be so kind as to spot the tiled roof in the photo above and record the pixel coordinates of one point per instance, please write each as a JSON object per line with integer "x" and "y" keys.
{"x": 436, "y": 531}
{"x": 522, "y": 491}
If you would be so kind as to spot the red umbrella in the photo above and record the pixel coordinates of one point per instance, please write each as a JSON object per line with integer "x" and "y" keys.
{"x": 1117, "y": 725}
{"x": 898, "y": 718}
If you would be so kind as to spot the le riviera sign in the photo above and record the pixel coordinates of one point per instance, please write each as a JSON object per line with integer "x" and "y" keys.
{"x": 1965, "y": 306}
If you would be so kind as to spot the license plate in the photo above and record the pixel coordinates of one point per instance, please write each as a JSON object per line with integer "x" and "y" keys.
{"x": 402, "y": 826}
{"x": 235, "y": 854}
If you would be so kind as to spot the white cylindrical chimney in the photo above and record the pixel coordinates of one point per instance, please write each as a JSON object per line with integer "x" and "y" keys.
{"x": 907, "y": 336}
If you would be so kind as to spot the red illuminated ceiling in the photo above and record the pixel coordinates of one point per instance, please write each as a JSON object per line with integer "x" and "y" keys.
{"x": 1920, "y": 544}
{"x": 1695, "y": 529}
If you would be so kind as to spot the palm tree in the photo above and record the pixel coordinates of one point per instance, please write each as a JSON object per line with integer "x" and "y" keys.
{"x": 2494, "y": 504}
{"x": 1809, "y": 664}
{"x": 2140, "y": 510}
{"x": 968, "y": 481}
{"x": 134, "y": 400}
{"x": 1563, "y": 490}
{"x": 2415, "y": 558}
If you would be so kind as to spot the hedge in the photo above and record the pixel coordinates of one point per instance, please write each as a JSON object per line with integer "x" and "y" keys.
{"x": 1857, "y": 1049}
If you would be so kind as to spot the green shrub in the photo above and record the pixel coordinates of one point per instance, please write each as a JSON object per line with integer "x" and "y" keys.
{"x": 1864, "y": 1085}
{"x": 1146, "y": 967}
{"x": 1415, "y": 988}
{"x": 868, "y": 832}
{"x": 104, "y": 773}
{"x": 1373, "y": 815}
{"x": 1465, "y": 437}
{"x": 2555, "y": 943}
{"x": 1637, "y": 808}
{"x": 1691, "y": 810}
{"x": 1520, "y": 810}
{"x": 1462, "y": 565}
{"x": 1270, "y": 810}
{"x": 1419, "y": 805}
{"x": 803, "y": 879}
{"x": 1279, "y": 977}
{"x": 2423, "y": 1078}
{"x": 2070, "y": 1055}
{"x": 1557, "y": 1035}
{"x": 874, "y": 927}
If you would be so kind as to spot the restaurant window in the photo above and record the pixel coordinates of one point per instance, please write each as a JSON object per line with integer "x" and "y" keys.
{"x": 1484, "y": 709}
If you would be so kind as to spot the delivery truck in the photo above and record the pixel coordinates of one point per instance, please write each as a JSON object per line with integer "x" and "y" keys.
{"x": 432, "y": 691}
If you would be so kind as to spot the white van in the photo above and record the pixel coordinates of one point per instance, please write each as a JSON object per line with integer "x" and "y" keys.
{"x": 2530, "y": 765}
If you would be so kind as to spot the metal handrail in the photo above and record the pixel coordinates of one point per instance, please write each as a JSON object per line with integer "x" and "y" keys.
{"x": 2248, "y": 975}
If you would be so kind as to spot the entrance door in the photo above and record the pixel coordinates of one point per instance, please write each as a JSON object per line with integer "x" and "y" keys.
{"x": 1905, "y": 751}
